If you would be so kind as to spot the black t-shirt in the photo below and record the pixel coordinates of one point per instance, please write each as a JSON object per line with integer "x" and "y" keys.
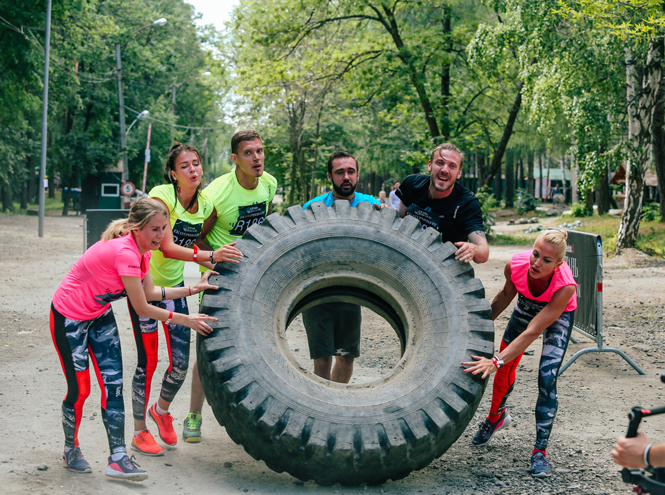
{"x": 455, "y": 216}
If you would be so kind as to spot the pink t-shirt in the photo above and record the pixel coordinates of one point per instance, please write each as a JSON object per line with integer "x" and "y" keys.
{"x": 519, "y": 273}
{"x": 94, "y": 281}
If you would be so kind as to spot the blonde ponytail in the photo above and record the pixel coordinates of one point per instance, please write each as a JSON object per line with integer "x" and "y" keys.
{"x": 140, "y": 215}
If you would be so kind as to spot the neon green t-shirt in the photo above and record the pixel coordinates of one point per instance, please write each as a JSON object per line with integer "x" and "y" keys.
{"x": 186, "y": 227}
{"x": 237, "y": 208}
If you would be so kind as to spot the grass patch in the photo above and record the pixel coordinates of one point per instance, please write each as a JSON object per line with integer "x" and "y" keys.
{"x": 50, "y": 204}
{"x": 509, "y": 240}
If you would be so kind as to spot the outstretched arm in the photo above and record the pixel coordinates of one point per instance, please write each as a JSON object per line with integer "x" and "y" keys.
{"x": 542, "y": 320}
{"x": 139, "y": 294}
{"x": 476, "y": 249}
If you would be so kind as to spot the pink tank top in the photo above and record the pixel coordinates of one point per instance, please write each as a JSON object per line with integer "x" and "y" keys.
{"x": 94, "y": 281}
{"x": 519, "y": 273}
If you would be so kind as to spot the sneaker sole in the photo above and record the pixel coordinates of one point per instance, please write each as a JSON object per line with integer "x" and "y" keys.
{"x": 159, "y": 431}
{"x": 126, "y": 476}
{"x": 541, "y": 475}
{"x": 191, "y": 439}
{"x": 136, "y": 448}
{"x": 504, "y": 424}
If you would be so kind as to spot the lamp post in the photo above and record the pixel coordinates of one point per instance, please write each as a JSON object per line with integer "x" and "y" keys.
{"x": 121, "y": 100}
{"x": 173, "y": 94}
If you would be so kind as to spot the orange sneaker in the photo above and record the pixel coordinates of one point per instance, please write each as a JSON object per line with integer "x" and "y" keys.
{"x": 145, "y": 443}
{"x": 165, "y": 425}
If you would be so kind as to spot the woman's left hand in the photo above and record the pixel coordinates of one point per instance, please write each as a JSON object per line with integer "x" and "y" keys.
{"x": 228, "y": 252}
{"x": 203, "y": 284}
{"x": 480, "y": 365}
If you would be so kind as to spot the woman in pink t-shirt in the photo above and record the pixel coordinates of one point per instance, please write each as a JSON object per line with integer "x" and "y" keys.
{"x": 546, "y": 305}
{"x": 83, "y": 325}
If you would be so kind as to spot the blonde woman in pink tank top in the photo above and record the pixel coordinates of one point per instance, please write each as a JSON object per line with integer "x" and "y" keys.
{"x": 546, "y": 306}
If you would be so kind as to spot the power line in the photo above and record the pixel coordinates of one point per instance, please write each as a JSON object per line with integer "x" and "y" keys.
{"x": 176, "y": 125}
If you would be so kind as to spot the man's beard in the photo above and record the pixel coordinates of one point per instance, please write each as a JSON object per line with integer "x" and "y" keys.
{"x": 341, "y": 192}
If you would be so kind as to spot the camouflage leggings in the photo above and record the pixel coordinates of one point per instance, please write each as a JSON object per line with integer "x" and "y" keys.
{"x": 177, "y": 345}
{"x": 555, "y": 343}
{"x": 76, "y": 341}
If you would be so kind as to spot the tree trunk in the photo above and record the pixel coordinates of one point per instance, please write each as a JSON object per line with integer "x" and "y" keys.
{"x": 481, "y": 169}
{"x": 510, "y": 176}
{"x": 603, "y": 194}
{"x": 659, "y": 147}
{"x": 562, "y": 164}
{"x": 540, "y": 176}
{"x": 51, "y": 185}
{"x": 507, "y": 132}
{"x": 6, "y": 192}
{"x": 498, "y": 186}
{"x": 530, "y": 182}
{"x": 447, "y": 35}
{"x": 642, "y": 91}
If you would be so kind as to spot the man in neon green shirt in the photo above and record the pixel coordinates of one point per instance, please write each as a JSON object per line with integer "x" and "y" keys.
{"x": 242, "y": 198}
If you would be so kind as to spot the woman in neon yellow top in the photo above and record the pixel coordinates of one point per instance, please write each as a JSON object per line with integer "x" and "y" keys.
{"x": 188, "y": 207}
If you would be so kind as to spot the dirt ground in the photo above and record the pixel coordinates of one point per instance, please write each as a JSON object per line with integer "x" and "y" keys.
{"x": 595, "y": 393}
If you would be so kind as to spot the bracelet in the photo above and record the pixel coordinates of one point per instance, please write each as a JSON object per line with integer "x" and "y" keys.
{"x": 190, "y": 290}
{"x": 497, "y": 362}
{"x": 168, "y": 320}
{"x": 646, "y": 456}
{"x": 195, "y": 256}
{"x": 211, "y": 255}
{"x": 163, "y": 294}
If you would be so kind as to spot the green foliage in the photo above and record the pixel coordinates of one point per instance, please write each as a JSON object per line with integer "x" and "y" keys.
{"x": 651, "y": 212}
{"x": 579, "y": 210}
{"x": 525, "y": 202}
{"x": 487, "y": 203}
{"x": 83, "y": 130}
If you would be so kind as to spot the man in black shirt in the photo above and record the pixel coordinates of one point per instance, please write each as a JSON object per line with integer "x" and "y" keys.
{"x": 438, "y": 202}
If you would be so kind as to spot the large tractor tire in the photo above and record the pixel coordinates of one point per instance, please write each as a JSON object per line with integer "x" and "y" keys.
{"x": 314, "y": 429}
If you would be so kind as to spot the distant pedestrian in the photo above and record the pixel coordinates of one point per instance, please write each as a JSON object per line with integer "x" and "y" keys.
{"x": 393, "y": 199}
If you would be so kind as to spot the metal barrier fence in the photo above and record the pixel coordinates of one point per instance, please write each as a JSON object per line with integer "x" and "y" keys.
{"x": 584, "y": 255}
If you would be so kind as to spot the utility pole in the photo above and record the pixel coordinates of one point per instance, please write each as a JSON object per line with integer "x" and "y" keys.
{"x": 42, "y": 167}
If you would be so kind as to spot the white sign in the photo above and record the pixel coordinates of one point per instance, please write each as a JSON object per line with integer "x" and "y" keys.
{"x": 128, "y": 189}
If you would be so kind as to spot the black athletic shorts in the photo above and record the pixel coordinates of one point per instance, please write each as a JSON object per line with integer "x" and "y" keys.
{"x": 333, "y": 329}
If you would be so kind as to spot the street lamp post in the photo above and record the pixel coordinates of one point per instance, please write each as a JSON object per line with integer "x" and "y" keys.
{"x": 173, "y": 94}
{"x": 121, "y": 99}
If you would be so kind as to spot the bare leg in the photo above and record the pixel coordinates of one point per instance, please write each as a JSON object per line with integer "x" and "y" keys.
{"x": 322, "y": 367}
{"x": 197, "y": 396}
{"x": 343, "y": 369}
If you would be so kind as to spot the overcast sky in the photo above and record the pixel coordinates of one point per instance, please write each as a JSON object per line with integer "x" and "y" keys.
{"x": 214, "y": 11}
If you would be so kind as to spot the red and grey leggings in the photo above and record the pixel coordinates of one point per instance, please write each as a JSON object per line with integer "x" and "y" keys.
{"x": 76, "y": 341}
{"x": 555, "y": 343}
{"x": 177, "y": 344}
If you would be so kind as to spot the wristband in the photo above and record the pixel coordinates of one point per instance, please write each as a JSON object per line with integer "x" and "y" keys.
{"x": 190, "y": 290}
{"x": 211, "y": 255}
{"x": 497, "y": 362}
{"x": 168, "y": 320}
{"x": 646, "y": 456}
{"x": 195, "y": 256}
{"x": 163, "y": 294}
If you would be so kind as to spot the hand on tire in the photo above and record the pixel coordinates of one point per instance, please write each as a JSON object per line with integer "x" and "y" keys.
{"x": 197, "y": 321}
{"x": 203, "y": 284}
{"x": 480, "y": 365}
{"x": 227, "y": 253}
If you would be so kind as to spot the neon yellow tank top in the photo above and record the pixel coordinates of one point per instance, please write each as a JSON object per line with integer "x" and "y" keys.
{"x": 186, "y": 227}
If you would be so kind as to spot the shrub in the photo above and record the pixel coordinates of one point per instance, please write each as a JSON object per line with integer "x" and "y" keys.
{"x": 580, "y": 210}
{"x": 525, "y": 202}
{"x": 487, "y": 203}
{"x": 650, "y": 212}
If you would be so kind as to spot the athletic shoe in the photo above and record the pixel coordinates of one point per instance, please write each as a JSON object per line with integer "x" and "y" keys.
{"x": 191, "y": 432}
{"x": 540, "y": 467}
{"x": 125, "y": 469}
{"x": 75, "y": 461}
{"x": 145, "y": 443}
{"x": 165, "y": 425}
{"x": 487, "y": 429}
